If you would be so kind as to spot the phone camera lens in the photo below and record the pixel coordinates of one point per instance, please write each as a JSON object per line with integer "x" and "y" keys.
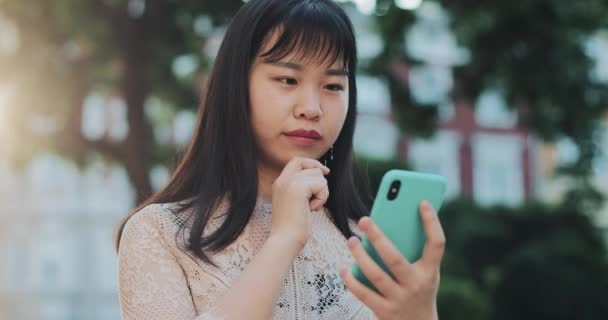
{"x": 394, "y": 190}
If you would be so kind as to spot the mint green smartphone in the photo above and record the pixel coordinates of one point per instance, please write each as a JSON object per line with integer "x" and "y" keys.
{"x": 396, "y": 212}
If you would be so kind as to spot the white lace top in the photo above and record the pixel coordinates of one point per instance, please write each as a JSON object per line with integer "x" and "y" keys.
{"x": 158, "y": 280}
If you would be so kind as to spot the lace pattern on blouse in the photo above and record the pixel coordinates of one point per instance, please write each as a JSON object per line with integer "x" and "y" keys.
{"x": 158, "y": 279}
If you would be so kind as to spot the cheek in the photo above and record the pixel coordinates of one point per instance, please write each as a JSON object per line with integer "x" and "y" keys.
{"x": 336, "y": 115}
{"x": 267, "y": 109}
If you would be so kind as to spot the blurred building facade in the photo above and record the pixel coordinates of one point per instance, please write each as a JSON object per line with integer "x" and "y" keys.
{"x": 479, "y": 146}
{"x": 58, "y": 262}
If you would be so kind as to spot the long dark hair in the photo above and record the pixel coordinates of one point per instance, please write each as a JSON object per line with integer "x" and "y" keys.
{"x": 221, "y": 159}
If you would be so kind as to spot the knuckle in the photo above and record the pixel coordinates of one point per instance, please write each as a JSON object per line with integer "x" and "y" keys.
{"x": 292, "y": 184}
{"x": 396, "y": 262}
{"x": 403, "y": 293}
{"x": 439, "y": 243}
{"x": 364, "y": 297}
{"x": 434, "y": 277}
{"x": 374, "y": 235}
{"x": 416, "y": 287}
{"x": 432, "y": 218}
{"x": 277, "y": 183}
{"x": 392, "y": 309}
{"x": 377, "y": 277}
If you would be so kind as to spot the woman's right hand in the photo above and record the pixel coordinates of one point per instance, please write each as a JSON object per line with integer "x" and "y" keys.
{"x": 300, "y": 188}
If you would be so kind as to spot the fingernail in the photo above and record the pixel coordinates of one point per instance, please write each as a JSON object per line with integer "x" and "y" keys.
{"x": 352, "y": 241}
{"x": 425, "y": 205}
{"x": 427, "y": 209}
{"x": 364, "y": 223}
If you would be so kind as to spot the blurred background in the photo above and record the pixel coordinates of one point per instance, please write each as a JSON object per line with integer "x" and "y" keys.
{"x": 507, "y": 99}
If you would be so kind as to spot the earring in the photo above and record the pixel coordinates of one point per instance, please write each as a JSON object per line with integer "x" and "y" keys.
{"x": 331, "y": 155}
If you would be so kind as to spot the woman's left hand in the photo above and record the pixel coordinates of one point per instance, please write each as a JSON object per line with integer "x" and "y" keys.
{"x": 412, "y": 293}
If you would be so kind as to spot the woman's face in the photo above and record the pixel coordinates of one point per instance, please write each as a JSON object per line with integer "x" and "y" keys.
{"x": 287, "y": 96}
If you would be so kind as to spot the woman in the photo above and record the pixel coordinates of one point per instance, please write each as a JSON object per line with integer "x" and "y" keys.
{"x": 255, "y": 219}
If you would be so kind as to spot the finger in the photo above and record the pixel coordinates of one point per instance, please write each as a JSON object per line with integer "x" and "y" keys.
{"x": 435, "y": 238}
{"x": 366, "y": 295}
{"x": 311, "y": 172}
{"x": 319, "y": 200}
{"x": 319, "y": 192}
{"x": 298, "y": 163}
{"x": 381, "y": 280}
{"x": 394, "y": 260}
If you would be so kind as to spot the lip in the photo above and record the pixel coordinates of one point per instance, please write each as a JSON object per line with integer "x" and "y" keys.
{"x": 310, "y": 134}
{"x": 303, "y": 137}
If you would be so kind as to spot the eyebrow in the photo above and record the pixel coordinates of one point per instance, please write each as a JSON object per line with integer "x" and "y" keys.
{"x": 298, "y": 67}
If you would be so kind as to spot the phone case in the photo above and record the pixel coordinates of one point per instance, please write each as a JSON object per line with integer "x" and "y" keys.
{"x": 400, "y": 218}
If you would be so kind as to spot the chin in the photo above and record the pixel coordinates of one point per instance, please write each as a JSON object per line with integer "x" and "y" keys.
{"x": 300, "y": 153}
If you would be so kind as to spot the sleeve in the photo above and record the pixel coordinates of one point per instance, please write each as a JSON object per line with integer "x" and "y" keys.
{"x": 152, "y": 284}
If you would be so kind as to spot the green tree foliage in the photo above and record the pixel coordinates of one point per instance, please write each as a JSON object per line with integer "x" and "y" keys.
{"x": 528, "y": 263}
{"x": 535, "y": 51}
{"x": 533, "y": 262}
{"x": 532, "y": 51}
{"x": 70, "y": 48}
{"x": 500, "y": 263}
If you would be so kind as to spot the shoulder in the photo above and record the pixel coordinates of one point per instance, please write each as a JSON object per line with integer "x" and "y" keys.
{"x": 153, "y": 218}
{"x": 158, "y": 221}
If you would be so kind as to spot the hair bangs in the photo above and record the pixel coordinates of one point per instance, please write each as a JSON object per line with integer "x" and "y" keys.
{"x": 312, "y": 34}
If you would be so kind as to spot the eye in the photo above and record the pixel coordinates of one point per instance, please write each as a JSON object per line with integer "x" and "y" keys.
{"x": 334, "y": 87}
{"x": 288, "y": 81}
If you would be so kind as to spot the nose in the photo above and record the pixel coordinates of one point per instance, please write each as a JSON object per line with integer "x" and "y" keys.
{"x": 308, "y": 106}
